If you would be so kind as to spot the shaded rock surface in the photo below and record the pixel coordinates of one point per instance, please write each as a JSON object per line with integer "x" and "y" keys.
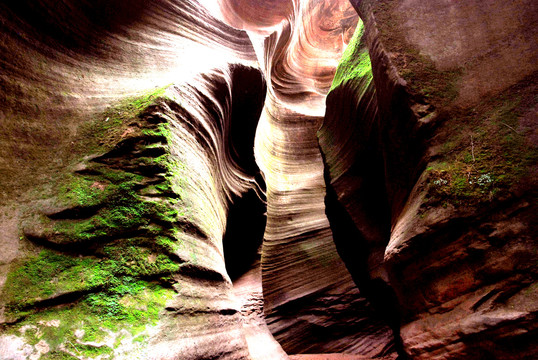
{"x": 458, "y": 172}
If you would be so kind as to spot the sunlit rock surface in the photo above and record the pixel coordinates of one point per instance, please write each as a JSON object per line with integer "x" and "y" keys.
{"x": 311, "y": 302}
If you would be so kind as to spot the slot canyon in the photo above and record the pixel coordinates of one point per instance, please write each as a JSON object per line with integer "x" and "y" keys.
{"x": 268, "y": 180}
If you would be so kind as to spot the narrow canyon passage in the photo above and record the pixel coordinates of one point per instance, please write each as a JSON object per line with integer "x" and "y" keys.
{"x": 266, "y": 180}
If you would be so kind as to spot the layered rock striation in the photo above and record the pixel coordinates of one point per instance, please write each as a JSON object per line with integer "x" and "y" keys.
{"x": 113, "y": 246}
{"x": 311, "y": 302}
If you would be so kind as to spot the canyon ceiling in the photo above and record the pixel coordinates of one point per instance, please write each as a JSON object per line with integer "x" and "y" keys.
{"x": 247, "y": 179}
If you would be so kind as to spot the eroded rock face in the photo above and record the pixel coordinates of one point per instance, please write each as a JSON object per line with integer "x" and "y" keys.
{"x": 128, "y": 240}
{"x": 458, "y": 184}
{"x": 305, "y": 284}
{"x": 118, "y": 249}
{"x": 197, "y": 180}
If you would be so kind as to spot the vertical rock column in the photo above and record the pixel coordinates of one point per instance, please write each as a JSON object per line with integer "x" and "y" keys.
{"x": 311, "y": 302}
{"x": 456, "y": 91}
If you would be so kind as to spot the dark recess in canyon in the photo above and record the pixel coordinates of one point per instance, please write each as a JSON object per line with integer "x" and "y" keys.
{"x": 246, "y": 219}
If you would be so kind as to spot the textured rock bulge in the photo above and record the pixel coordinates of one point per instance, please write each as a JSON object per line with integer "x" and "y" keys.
{"x": 121, "y": 193}
{"x": 451, "y": 151}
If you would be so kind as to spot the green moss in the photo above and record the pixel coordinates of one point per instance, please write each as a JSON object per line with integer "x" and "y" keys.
{"x": 122, "y": 211}
{"x": 487, "y": 158}
{"x": 134, "y": 260}
{"x": 165, "y": 187}
{"x": 79, "y": 191}
{"x": 93, "y": 329}
{"x": 93, "y": 351}
{"x": 57, "y": 355}
{"x": 32, "y": 335}
{"x": 129, "y": 305}
{"x": 167, "y": 244}
{"x": 49, "y": 273}
{"x": 130, "y": 238}
{"x": 131, "y": 302}
{"x": 160, "y": 130}
{"x": 355, "y": 62}
{"x": 116, "y": 177}
{"x": 44, "y": 275}
{"x": 102, "y": 133}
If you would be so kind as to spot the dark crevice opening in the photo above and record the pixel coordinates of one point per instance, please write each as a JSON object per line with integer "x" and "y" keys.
{"x": 354, "y": 250}
{"x": 248, "y": 97}
{"x": 244, "y": 233}
{"x": 247, "y": 212}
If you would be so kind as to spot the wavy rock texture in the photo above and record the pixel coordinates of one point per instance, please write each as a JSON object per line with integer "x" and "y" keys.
{"x": 311, "y": 301}
{"x": 458, "y": 155}
{"x": 185, "y": 164}
{"x": 118, "y": 251}
{"x": 60, "y": 69}
{"x": 198, "y": 180}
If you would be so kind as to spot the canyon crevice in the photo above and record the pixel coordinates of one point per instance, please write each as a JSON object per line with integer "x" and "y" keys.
{"x": 286, "y": 179}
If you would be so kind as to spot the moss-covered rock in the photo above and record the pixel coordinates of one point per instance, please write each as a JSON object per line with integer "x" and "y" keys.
{"x": 355, "y": 62}
{"x": 102, "y": 250}
{"x": 484, "y": 154}
{"x": 98, "y": 323}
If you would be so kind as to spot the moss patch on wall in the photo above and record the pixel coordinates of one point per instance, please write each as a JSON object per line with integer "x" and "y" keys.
{"x": 355, "y": 62}
{"x": 102, "y": 250}
{"x": 485, "y": 154}
{"x": 97, "y": 323}
{"x": 481, "y": 154}
{"x": 103, "y": 131}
